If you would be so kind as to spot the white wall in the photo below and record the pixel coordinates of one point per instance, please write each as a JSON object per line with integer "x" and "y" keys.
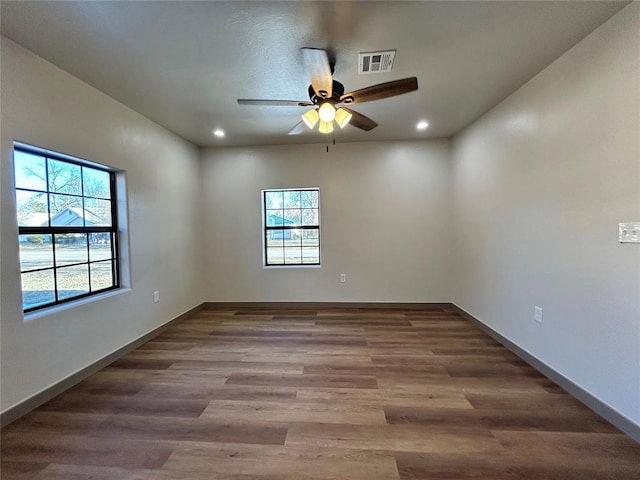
{"x": 44, "y": 106}
{"x": 385, "y": 216}
{"x": 540, "y": 184}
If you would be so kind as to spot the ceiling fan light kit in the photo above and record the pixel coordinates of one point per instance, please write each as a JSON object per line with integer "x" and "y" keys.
{"x": 327, "y": 96}
{"x": 325, "y": 127}
{"x": 311, "y": 118}
{"x": 327, "y": 112}
{"x": 343, "y": 117}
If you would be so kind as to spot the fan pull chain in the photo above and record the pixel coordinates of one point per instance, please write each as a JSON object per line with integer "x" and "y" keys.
{"x": 334, "y": 142}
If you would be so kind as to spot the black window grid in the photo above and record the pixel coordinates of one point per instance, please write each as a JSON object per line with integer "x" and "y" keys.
{"x": 52, "y": 231}
{"x": 268, "y": 229}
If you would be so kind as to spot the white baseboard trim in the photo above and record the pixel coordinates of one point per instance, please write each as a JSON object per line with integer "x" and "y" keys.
{"x": 598, "y": 406}
{"x": 33, "y": 402}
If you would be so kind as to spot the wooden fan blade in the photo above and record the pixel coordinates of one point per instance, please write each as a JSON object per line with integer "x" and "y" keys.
{"x": 316, "y": 62}
{"x": 274, "y": 103}
{"x": 360, "y": 121}
{"x": 381, "y": 90}
{"x": 298, "y": 129}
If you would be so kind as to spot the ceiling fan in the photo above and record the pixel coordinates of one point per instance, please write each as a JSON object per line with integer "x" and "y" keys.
{"x": 328, "y": 100}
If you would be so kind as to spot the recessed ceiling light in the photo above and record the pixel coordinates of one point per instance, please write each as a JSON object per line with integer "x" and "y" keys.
{"x": 422, "y": 125}
{"x": 218, "y": 133}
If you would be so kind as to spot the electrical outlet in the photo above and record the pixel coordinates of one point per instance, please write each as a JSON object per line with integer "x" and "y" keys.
{"x": 629, "y": 232}
{"x": 537, "y": 314}
{"x": 343, "y": 278}
{"x": 156, "y": 296}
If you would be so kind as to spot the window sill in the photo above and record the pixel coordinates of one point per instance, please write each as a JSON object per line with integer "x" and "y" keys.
{"x": 290, "y": 266}
{"x": 66, "y": 306}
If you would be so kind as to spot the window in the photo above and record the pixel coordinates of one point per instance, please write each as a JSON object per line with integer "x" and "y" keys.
{"x": 67, "y": 227}
{"x": 291, "y": 220}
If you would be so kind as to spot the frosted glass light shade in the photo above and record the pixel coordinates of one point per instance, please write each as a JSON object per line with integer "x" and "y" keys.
{"x": 311, "y": 118}
{"x": 342, "y": 117}
{"x": 325, "y": 127}
{"x": 327, "y": 112}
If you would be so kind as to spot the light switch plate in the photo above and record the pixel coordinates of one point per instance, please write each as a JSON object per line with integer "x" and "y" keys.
{"x": 537, "y": 314}
{"x": 629, "y": 232}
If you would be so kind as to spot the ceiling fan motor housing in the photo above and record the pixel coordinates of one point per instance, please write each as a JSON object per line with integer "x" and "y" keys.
{"x": 317, "y": 97}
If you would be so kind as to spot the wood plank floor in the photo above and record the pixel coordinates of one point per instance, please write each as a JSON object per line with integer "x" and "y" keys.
{"x": 259, "y": 394}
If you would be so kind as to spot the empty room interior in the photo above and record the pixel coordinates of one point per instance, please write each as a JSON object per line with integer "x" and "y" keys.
{"x": 320, "y": 240}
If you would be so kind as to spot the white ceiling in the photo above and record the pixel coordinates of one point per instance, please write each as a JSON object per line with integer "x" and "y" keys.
{"x": 184, "y": 64}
